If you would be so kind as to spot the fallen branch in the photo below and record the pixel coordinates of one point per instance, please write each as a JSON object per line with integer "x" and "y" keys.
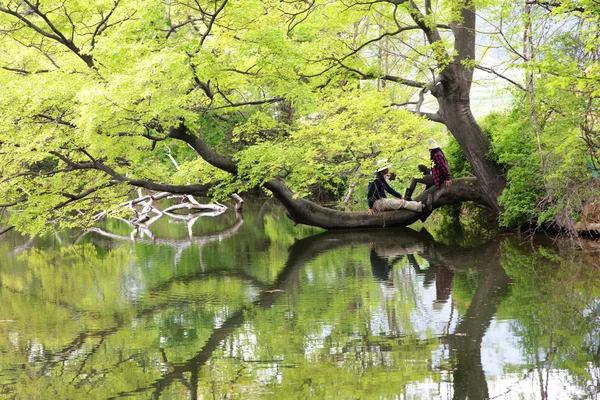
{"x": 143, "y": 218}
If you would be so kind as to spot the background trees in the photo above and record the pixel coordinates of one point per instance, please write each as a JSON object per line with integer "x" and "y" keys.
{"x": 242, "y": 94}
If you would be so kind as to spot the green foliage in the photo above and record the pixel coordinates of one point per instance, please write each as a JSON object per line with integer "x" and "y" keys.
{"x": 93, "y": 91}
{"x": 544, "y": 139}
{"x": 546, "y": 186}
{"x": 515, "y": 149}
{"x": 270, "y": 84}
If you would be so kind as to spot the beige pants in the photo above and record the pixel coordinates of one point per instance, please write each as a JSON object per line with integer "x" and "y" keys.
{"x": 397, "y": 204}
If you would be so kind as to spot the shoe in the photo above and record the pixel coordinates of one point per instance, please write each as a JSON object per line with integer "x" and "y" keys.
{"x": 408, "y": 194}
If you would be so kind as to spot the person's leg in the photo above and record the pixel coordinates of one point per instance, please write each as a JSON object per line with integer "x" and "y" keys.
{"x": 383, "y": 205}
{"x": 416, "y": 206}
{"x": 411, "y": 189}
{"x": 427, "y": 180}
{"x": 398, "y": 204}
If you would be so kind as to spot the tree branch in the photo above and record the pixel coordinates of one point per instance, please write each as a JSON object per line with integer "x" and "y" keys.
{"x": 433, "y": 117}
{"x": 103, "y": 24}
{"x": 203, "y": 150}
{"x": 251, "y": 103}
{"x": 494, "y": 72}
{"x": 212, "y": 22}
{"x": 25, "y": 72}
{"x": 74, "y": 197}
{"x": 56, "y": 120}
{"x": 396, "y": 79}
{"x": 57, "y": 35}
{"x": 431, "y": 33}
{"x": 548, "y": 5}
{"x": 382, "y": 36}
{"x": 3, "y": 231}
{"x": 196, "y": 190}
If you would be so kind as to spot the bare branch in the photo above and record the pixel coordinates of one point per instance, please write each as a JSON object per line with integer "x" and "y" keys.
{"x": 406, "y": 103}
{"x": 196, "y": 190}
{"x": 377, "y": 39}
{"x": 25, "y": 72}
{"x": 251, "y": 103}
{"x": 56, "y": 34}
{"x": 396, "y": 79}
{"x": 492, "y": 71}
{"x": 103, "y": 24}
{"x": 175, "y": 27}
{"x": 56, "y": 120}
{"x": 3, "y": 231}
{"x": 433, "y": 117}
{"x": 548, "y": 5}
{"x": 74, "y": 197}
{"x": 14, "y": 203}
{"x": 212, "y": 22}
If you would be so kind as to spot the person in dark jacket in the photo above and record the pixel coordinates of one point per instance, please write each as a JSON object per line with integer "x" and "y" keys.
{"x": 378, "y": 201}
{"x": 440, "y": 171}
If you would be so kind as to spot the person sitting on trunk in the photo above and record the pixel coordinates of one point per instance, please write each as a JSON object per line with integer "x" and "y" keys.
{"x": 440, "y": 171}
{"x": 426, "y": 180}
{"x": 377, "y": 199}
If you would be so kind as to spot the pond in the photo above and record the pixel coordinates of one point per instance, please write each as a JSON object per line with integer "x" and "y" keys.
{"x": 250, "y": 306}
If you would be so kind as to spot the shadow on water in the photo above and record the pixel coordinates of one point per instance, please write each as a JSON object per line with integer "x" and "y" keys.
{"x": 387, "y": 247}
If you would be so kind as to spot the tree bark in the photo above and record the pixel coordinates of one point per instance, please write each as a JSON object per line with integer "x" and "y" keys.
{"x": 452, "y": 90}
{"x": 459, "y": 119}
{"x": 305, "y": 212}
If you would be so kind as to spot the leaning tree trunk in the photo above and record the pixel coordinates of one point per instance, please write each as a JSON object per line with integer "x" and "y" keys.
{"x": 452, "y": 90}
{"x": 457, "y": 116}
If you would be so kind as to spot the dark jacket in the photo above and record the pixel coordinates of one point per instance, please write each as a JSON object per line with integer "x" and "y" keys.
{"x": 377, "y": 189}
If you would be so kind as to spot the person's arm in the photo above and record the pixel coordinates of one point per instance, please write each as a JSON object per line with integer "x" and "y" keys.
{"x": 391, "y": 190}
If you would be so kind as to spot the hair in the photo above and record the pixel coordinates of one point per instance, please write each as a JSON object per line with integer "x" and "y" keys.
{"x": 433, "y": 151}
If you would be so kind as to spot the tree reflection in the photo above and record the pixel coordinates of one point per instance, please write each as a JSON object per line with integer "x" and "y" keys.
{"x": 339, "y": 318}
{"x": 465, "y": 343}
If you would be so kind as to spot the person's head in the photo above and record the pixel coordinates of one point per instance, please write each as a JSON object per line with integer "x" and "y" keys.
{"x": 433, "y": 147}
{"x": 383, "y": 166}
{"x": 432, "y": 144}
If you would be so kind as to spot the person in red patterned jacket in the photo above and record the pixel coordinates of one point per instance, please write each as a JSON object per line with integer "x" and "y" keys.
{"x": 440, "y": 172}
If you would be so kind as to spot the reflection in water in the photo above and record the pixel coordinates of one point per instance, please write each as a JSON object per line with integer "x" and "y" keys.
{"x": 251, "y": 312}
{"x": 389, "y": 247}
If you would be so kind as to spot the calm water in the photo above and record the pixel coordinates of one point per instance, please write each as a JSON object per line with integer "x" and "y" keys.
{"x": 251, "y": 307}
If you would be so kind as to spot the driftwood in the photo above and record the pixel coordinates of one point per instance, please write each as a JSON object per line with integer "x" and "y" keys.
{"x": 141, "y": 234}
{"x": 149, "y": 213}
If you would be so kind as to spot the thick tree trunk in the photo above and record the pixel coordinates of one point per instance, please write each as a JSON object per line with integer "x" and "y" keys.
{"x": 457, "y": 116}
{"x": 452, "y": 90}
{"x": 308, "y": 213}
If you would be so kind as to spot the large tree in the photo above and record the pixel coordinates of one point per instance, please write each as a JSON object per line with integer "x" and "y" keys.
{"x": 283, "y": 95}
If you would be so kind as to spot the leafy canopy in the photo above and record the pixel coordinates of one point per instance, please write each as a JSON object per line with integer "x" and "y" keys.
{"x": 91, "y": 89}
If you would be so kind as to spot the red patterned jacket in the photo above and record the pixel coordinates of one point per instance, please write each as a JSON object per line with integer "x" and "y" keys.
{"x": 440, "y": 170}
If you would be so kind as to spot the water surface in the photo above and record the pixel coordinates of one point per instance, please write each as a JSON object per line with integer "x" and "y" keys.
{"x": 249, "y": 306}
